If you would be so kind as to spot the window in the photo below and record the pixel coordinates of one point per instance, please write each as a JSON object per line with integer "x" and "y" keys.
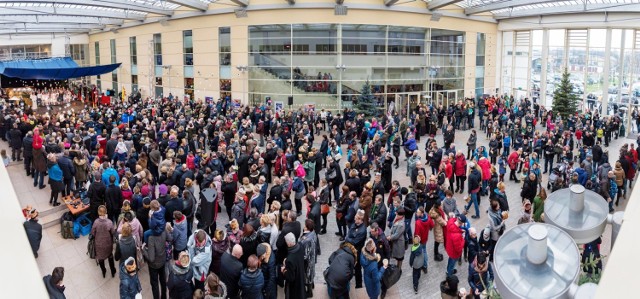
{"x": 114, "y": 74}
{"x": 157, "y": 48}
{"x": 224, "y": 37}
{"x": 133, "y": 50}
{"x": 97, "y": 53}
{"x": 187, "y": 47}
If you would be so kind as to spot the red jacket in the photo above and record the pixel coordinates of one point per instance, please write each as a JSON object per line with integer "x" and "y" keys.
{"x": 461, "y": 166}
{"x": 280, "y": 165}
{"x": 485, "y": 165}
{"x": 191, "y": 162}
{"x": 423, "y": 226}
{"x": 453, "y": 239}
{"x": 513, "y": 160}
{"x": 448, "y": 169}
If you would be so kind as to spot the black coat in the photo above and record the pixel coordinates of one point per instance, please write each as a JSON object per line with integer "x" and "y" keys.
{"x": 354, "y": 185}
{"x": 229, "y": 192}
{"x": 96, "y": 195}
{"x": 15, "y": 138}
{"x": 230, "y": 270}
{"x": 380, "y": 216}
{"x": 294, "y": 273}
{"x": 113, "y": 199}
{"x": 34, "y": 234}
{"x": 281, "y": 245}
{"x": 314, "y": 214}
{"x": 341, "y": 265}
{"x": 68, "y": 170}
{"x": 529, "y": 189}
{"x": 27, "y": 146}
{"x": 54, "y": 292}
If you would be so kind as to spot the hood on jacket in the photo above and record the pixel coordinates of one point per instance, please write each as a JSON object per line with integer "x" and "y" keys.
{"x": 366, "y": 254}
{"x": 618, "y": 165}
{"x": 349, "y": 248}
{"x": 80, "y": 161}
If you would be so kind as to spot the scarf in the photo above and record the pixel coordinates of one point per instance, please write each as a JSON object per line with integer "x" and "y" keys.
{"x": 480, "y": 268}
{"x": 374, "y": 209}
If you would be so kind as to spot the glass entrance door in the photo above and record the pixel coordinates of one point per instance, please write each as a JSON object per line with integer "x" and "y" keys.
{"x": 447, "y": 97}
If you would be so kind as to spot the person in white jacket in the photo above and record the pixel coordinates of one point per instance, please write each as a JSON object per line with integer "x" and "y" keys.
{"x": 199, "y": 246}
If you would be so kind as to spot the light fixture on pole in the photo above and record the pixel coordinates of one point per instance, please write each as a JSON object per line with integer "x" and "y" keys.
{"x": 341, "y": 68}
{"x": 168, "y": 67}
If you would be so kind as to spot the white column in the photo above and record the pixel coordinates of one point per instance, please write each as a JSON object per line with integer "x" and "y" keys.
{"x": 543, "y": 61}
{"x": 605, "y": 77}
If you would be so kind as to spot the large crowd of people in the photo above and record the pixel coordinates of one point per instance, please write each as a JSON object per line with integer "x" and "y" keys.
{"x": 159, "y": 172}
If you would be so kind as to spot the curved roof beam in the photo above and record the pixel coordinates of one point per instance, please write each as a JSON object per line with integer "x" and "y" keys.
{"x": 51, "y": 19}
{"x": 565, "y": 9}
{"x": 502, "y": 5}
{"x": 45, "y": 26}
{"x": 61, "y": 11}
{"x": 194, "y": 4}
{"x": 243, "y": 3}
{"x": 121, "y": 4}
{"x": 435, "y": 4}
{"x": 41, "y": 31}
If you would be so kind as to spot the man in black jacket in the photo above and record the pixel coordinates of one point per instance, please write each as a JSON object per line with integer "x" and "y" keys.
{"x": 230, "y": 270}
{"x": 340, "y": 271}
{"x": 379, "y": 213}
{"x": 34, "y": 231}
{"x": 113, "y": 199}
{"x": 290, "y": 225}
{"x": 334, "y": 183}
{"x": 15, "y": 140}
{"x": 27, "y": 152}
{"x": 356, "y": 236}
{"x": 293, "y": 269}
{"x": 96, "y": 195}
{"x": 68, "y": 172}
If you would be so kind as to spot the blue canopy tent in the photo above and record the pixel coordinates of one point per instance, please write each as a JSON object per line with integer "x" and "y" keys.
{"x": 62, "y": 68}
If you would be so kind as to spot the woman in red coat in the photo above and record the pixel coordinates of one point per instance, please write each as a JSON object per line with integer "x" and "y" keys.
{"x": 454, "y": 241}
{"x": 460, "y": 171}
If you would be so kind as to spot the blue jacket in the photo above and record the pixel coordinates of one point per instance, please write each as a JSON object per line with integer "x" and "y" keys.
{"x": 506, "y": 142}
{"x": 68, "y": 170}
{"x": 258, "y": 203}
{"x": 474, "y": 278}
{"x": 157, "y": 222}
{"x": 372, "y": 275}
{"x": 251, "y": 284}
{"x": 411, "y": 144}
{"x": 55, "y": 173}
{"x": 180, "y": 234}
{"x": 129, "y": 285}
{"x": 582, "y": 176}
{"x": 108, "y": 173}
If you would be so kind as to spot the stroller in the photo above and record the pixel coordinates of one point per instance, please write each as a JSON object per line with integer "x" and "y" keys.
{"x": 556, "y": 172}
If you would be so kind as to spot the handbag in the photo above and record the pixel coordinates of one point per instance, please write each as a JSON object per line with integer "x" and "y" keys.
{"x": 91, "y": 247}
{"x": 391, "y": 275}
{"x": 324, "y": 209}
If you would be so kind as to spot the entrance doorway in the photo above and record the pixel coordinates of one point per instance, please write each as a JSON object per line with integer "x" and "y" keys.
{"x": 405, "y": 102}
{"x": 446, "y": 97}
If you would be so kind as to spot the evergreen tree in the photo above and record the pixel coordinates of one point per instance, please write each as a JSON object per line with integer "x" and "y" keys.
{"x": 366, "y": 102}
{"x": 565, "y": 102}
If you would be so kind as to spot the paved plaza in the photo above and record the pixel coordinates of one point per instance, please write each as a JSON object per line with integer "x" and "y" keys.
{"x": 83, "y": 278}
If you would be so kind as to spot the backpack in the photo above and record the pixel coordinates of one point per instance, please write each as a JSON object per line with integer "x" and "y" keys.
{"x": 66, "y": 226}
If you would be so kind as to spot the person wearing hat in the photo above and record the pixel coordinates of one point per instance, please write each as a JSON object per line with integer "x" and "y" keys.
{"x": 34, "y": 231}
{"x": 180, "y": 277}
{"x": 612, "y": 189}
{"x": 396, "y": 237}
{"x": 129, "y": 282}
{"x": 268, "y": 265}
{"x": 455, "y": 241}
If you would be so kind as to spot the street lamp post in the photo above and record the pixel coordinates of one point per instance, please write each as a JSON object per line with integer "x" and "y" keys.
{"x": 341, "y": 68}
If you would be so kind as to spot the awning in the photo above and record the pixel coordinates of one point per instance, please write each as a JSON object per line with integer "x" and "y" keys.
{"x": 51, "y": 69}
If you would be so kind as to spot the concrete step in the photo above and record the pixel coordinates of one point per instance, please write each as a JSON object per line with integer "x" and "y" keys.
{"x": 53, "y": 217}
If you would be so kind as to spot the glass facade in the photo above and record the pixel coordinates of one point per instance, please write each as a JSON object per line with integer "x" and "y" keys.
{"x": 328, "y": 64}
{"x": 598, "y": 69}
{"x": 26, "y": 51}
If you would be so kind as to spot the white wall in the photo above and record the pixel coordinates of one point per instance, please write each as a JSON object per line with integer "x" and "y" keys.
{"x": 57, "y": 41}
